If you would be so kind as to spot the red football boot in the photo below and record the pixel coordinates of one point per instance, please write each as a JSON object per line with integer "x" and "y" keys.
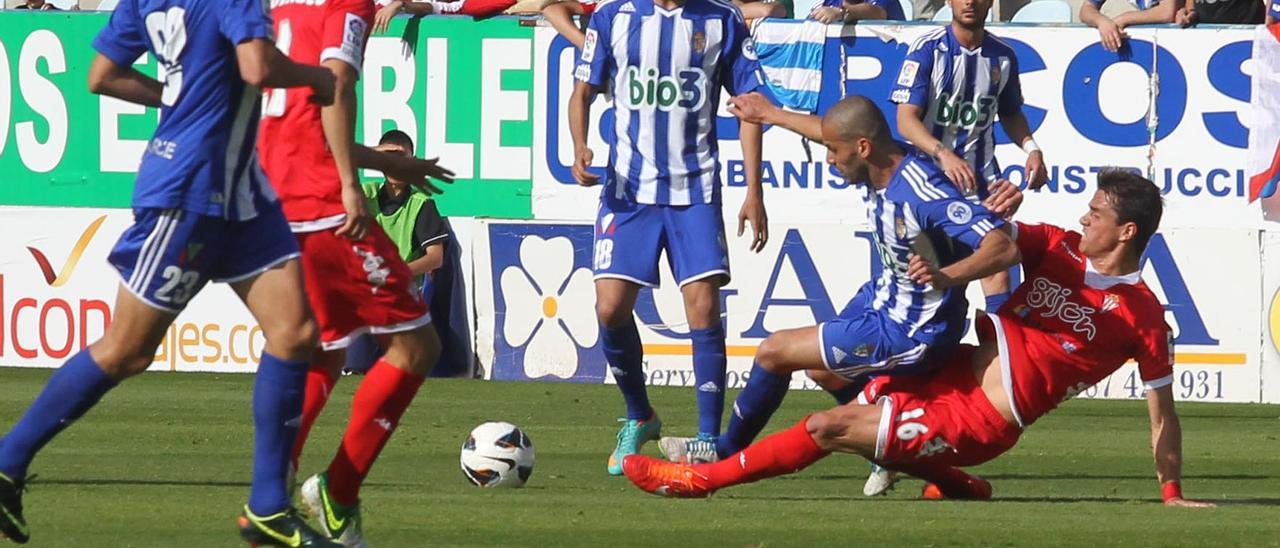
{"x": 669, "y": 479}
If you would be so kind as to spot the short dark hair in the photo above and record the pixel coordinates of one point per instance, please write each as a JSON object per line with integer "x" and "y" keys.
{"x": 856, "y": 117}
{"x": 397, "y": 137}
{"x": 1136, "y": 200}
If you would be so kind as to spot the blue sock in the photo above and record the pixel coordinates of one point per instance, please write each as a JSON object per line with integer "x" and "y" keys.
{"x": 278, "y": 391}
{"x": 757, "y": 402}
{"x": 850, "y": 391}
{"x": 844, "y": 395}
{"x": 994, "y": 302}
{"x": 71, "y": 391}
{"x": 709, "y": 377}
{"x": 625, "y": 355}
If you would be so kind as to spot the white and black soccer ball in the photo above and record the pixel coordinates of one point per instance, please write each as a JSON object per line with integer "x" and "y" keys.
{"x": 497, "y": 454}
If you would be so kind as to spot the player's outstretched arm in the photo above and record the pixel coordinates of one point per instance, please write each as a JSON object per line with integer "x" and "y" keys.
{"x": 416, "y": 171}
{"x": 579, "y": 110}
{"x": 1166, "y": 445}
{"x": 262, "y": 65}
{"x": 996, "y": 253}
{"x": 755, "y": 108}
{"x": 123, "y": 82}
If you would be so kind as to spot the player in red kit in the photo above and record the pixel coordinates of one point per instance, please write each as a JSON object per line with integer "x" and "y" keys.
{"x": 1082, "y": 312}
{"x": 355, "y": 279}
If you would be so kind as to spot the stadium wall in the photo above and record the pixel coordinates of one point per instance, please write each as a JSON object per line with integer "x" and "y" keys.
{"x": 489, "y": 97}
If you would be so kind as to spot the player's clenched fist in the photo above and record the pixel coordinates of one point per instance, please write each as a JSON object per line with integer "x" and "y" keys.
{"x": 582, "y": 167}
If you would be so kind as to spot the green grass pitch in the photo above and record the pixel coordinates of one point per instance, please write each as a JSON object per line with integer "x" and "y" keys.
{"x": 164, "y": 461}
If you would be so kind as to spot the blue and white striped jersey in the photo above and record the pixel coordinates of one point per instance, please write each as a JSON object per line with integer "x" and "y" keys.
{"x": 962, "y": 92}
{"x": 921, "y": 212}
{"x": 202, "y": 157}
{"x": 665, "y": 69}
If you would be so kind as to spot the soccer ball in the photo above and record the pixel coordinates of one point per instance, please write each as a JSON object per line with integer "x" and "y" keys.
{"x": 497, "y": 454}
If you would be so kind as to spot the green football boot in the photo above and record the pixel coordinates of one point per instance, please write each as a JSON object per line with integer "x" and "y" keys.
{"x": 633, "y": 435}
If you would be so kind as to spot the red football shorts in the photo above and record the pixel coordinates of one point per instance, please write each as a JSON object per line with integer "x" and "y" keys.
{"x": 942, "y": 418}
{"x": 358, "y": 287}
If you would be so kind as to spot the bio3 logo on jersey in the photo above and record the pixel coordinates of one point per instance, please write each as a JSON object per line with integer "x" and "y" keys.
{"x": 1054, "y": 298}
{"x": 966, "y": 114}
{"x": 646, "y": 88}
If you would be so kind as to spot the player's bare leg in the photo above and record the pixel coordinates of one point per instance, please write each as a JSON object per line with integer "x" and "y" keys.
{"x": 560, "y": 14}
{"x": 881, "y": 479}
{"x": 620, "y": 340}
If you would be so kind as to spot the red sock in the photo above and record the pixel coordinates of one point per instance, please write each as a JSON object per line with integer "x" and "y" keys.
{"x": 319, "y": 385}
{"x": 381, "y": 399}
{"x": 788, "y": 451}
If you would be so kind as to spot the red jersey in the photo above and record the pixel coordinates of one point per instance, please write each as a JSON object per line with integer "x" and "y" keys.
{"x": 1067, "y": 326}
{"x": 291, "y": 141}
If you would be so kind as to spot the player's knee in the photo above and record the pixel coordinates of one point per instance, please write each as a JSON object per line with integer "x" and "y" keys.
{"x": 844, "y": 429}
{"x": 825, "y": 428}
{"x": 121, "y": 360}
{"x": 771, "y": 355}
{"x": 416, "y": 351}
{"x": 294, "y": 342}
{"x": 702, "y": 309}
{"x": 776, "y": 10}
{"x": 612, "y": 313}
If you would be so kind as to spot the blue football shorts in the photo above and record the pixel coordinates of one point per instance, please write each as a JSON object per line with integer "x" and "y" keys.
{"x": 865, "y": 341}
{"x": 168, "y": 255}
{"x": 630, "y": 237}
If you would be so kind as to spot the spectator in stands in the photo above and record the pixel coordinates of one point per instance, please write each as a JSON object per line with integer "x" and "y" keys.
{"x": 412, "y": 221}
{"x": 926, "y": 9}
{"x": 851, "y": 11}
{"x": 560, "y": 14}
{"x": 1222, "y": 12}
{"x": 388, "y": 9}
{"x": 759, "y": 9}
{"x": 1145, "y": 12}
{"x": 36, "y": 5}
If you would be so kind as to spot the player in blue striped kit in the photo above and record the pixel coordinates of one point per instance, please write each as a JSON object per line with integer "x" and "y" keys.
{"x": 955, "y": 82}
{"x": 203, "y": 211}
{"x": 665, "y": 62}
{"x": 893, "y": 325}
